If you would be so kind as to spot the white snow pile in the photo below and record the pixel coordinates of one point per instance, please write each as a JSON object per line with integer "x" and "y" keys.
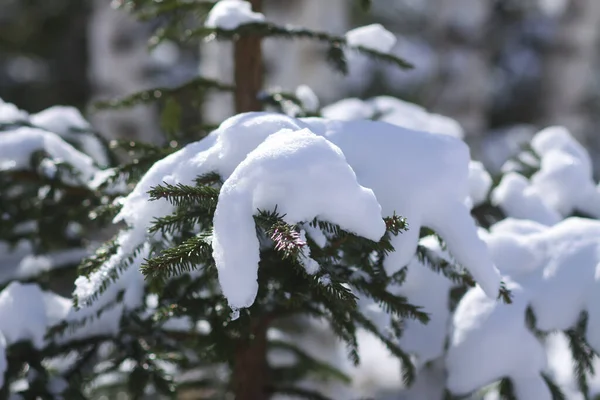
{"x": 68, "y": 123}
{"x": 26, "y": 313}
{"x": 394, "y": 111}
{"x": 230, "y": 14}
{"x": 480, "y": 183}
{"x": 308, "y": 98}
{"x": 17, "y": 146}
{"x": 562, "y": 185}
{"x": 65, "y": 122}
{"x": 275, "y": 175}
{"x": 373, "y": 37}
{"x": 551, "y": 269}
{"x": 10, "y": 114}
{"x": 419, "y": 175}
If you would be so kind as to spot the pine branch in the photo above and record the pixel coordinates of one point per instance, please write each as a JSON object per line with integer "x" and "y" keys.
{"x": 506, "y": 390}
{"x": 308, "y": 365}
{"x": 428, "y": 258}
{"x": 155, "y": 94}
{"x": 392, "y": 304}
{"x": 408, "y": 370}
{"x": 583, "y": 354}
{"x": 111, "y": 275}
{"x": 265, "y": 29}
{"x": 555, "y": 391}
{"x": 181, "y": 195}
{"x": 101, "y": 255}
{"x": 188, "y": 256}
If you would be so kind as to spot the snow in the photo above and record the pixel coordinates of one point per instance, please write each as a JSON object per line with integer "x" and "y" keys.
{"x": 490, "y": 341}
{"x": 3, "y": 362}
{"x": 430, "y": 290}
{"x": 562, "y": 185}
{"x": 60, "y": 119}
{"x": 68, "y": 123}
{"x": 519, "y": 200}
{"x": 17, "y": 146}
{"x": 310, "y": 265}
{"x": 310, "y": 101}
{"x": 480, "y": 183}
{"x": 26, "y": 312}
{"x": 373, "y": 37}
{"x": 551, "y": 269}
{"x": 394, "y": 111}
{"x": 275, "y": 174}
{"x": 430, "y": 167}
{"x": 230, "y": 14}
{"x": 10, "y": 114}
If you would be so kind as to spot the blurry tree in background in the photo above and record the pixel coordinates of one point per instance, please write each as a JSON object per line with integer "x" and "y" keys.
{"x": 43, "y": 52}
{"x": 481, "y": 62}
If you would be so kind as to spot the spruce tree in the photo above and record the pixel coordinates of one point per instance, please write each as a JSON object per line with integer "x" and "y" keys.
{"x": 173, "y": 332}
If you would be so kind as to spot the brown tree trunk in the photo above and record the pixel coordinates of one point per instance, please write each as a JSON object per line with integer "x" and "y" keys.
{"x": 250, "y": 370}
{"x": 248, "y": 70}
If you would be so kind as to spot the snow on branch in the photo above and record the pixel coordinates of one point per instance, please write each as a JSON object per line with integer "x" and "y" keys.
{"x": 268, "y": 160}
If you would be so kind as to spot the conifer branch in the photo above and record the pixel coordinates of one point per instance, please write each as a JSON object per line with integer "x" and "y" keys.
{"x": 188, "y": 256}
{"x": 147, "y": 96}
{"x": 265, "y": 29}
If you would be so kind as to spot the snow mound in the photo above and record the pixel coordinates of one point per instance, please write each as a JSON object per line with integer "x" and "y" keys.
{"x": 275, "y": 174}
{"x": 518, "y": 199}
{"x": 230, "y": 14}
{"x": 480, "y": 183}
{"x": 68, "y": 123}
{"x": 562, "y": 185}
{"x": 10, "y": 114}
{"x": 374, "y": 37}
{"x": 394, "y": 111}
{"x": 553, "y": 270}
{"x": 17, "y": 146}
{"x": 26, "y": 312}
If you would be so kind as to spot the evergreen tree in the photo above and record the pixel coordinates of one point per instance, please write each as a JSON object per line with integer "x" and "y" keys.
{"x": 231, "y": 244}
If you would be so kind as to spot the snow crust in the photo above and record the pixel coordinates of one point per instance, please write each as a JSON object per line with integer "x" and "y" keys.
{"x": 230, "y": 14}
{"x": 374, "y": 37}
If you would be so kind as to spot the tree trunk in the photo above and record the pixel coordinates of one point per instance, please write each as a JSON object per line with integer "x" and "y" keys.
{"x": 248, "y": 70}
{"x": 250, "y": 370}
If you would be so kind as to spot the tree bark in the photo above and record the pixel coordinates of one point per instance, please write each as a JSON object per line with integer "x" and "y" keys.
{"x": 248, "y": 70}
{"x": 250, "y": 370}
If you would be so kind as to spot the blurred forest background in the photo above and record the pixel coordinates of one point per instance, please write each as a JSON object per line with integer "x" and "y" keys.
{"x": 502, "y": 68}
